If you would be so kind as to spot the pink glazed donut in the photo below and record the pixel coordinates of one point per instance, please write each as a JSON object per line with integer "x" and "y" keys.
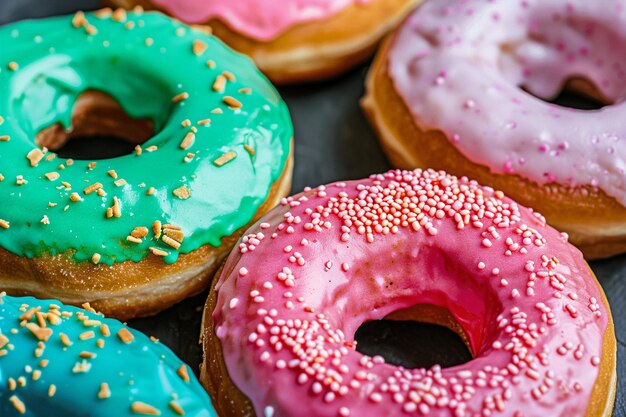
{"x": 291, "y": 40}
{"x": 279, "y": 336}
{"x": 457, "y": 88}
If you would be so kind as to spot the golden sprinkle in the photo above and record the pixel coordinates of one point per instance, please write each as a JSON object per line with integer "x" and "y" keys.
{"x": 186, "y": 123}
{"x": 70, "y": 162}
{"x": 172, "y": 226}
{"x": 150, "y": 191}
{"x": 45, "y": 220}
{"x": 87, "y": 355}
{"x": 245, "y": 90}
{"x": 217, "y": 111}
{"x": 12, "y": 384}
{"x": 138, "y": 150}
{"x": 152, "y": 148}
{"x": 66, "y": 184}
{"x": 183, "y": 373}
{"x": 1, "y": 120}
{"x": 92, "y": 165}
{"x": 36, "y": 374}
{"x": 204, "y": 122}
{"x": 158, "y": 252}
{"x": 91, "y": 30}
{"x": 177, "y": 408}
{"x": 79, "y": 20}
{"x": 121, "y": 182}
{"x": 75, "y": 197}
{"x": 149, "y": 41}
{"x": 35, "y": 156}
{"x": 13, "y": 66}
{"x": 4, "y": 224}
{"x": 146, "y": 409}
{"x": 117, "y": 208}
{"x": 156, "y": 228}
{"x": 249, "y": 149}
{"x": 43, "y": 363}
{"x": 112, "y": 173}
{"x": 182, "y": 192}
{"x": 52, "y": 176}
{"x": 18, "y": 404}
{"x": 5, "y": 138}
{"x": 232, "y": 102}
{"x": 229, "y": 75}
{"x": 40, "y": 333}
{"x": 21, "y": 381}
{"x": 125, "y": 335}
{"x": 104, "y": 392}
{"x": 133, "y": 239}
{"x": 180, "y": 97}
{"x": 52, "y": 389}
{"x": 177, "y": 235}
{"x": 50, "y": 156}
{"x": 103, "y": 13}
{"x": 138, "y": 10}
{"x": 92, "y": 188}
{"x": 189, "y": 157}
{"x": 210, "y": 63}
{"x": 199, "y": 47}
{"x": 81, "y": 367}
{"x": 100, "y": 343}
{"x": 188, "y": 141}
{"x": 219, "y": 84}
{"x": 19, "y": 180}
{"x": 87, "y": 335}
{"x": 95, "y": 258}
{"x": 130, "y": 25}
{"x": 119, "y": 15}
{"x": 224, "y": 159}
{"x": 3, "y": 340}
{"x": 139, "y": 232}
{"x": 171, "y": 242}
{"x": 104, "y": 329}
{"x": 1, "y": 177}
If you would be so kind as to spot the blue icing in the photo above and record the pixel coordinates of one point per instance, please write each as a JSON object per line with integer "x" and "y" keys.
{"x": 140, "y": 371}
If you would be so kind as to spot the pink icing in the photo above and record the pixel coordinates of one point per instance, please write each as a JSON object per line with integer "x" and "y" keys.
{"x": 458, "y": 66}
{"x": 260, "y": 19}
{"x": 314, "y": 269}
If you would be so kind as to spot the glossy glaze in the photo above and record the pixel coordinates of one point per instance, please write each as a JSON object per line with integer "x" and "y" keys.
{"x": 313, "y": 270}
{"x": 138, "y": 371}
{"x": 258, "y": 19}
{"x": 460, "y": 66}
{"x": 149, "y": 64}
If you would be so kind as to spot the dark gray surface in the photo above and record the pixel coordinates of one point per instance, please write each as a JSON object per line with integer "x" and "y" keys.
{"x": 334, "y": 142}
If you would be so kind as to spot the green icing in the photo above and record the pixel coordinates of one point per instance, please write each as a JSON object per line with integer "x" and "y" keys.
{"x": 143, "y": 68}
{"x": 139, "y": 371}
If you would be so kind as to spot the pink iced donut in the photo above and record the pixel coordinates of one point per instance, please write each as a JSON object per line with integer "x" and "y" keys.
{"x": 314, "y": 269}
{"x": 455, "y": 80}
{"x": 292, "y": 40}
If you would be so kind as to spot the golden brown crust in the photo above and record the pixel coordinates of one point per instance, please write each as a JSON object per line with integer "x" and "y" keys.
{"x": 595, "y": 222}
{"x": 228, "y": 400}
{"x": 126, "y": 289}
{"x": 314, "y": 50}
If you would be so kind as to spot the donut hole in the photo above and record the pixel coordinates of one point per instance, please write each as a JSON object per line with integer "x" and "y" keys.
{"x": 100, "y": 129}
{"x": 417, "y": 337}
{"x": 565, "y": 56}
{"x": 577, "y": 93}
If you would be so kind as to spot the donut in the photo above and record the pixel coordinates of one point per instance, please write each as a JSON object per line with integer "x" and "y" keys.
{"x": 463, "y": 86}
{"x": 425, "y": 245}
{"x": 57, "y": 360}
{"x": 292, "y": 40}
{"x": 137, "y": 233}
